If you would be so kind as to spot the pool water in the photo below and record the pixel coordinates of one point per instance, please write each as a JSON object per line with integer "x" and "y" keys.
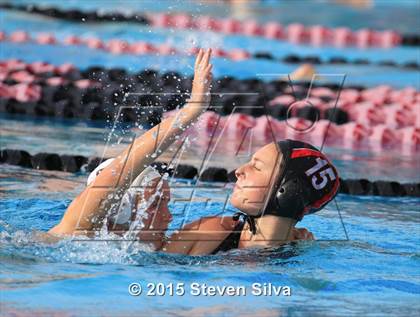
{"x": 365, "y": 259}
{"x": 331, "y": 14}
{"x": 365, "y": 264}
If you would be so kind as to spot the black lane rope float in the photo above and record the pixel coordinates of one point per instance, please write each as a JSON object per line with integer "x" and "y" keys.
{"x": 76, "y": 163}
{"x": 140, "y": 18}
{"x": 76, "y": 15}
{"x": 335, "y": 60}
{"x": 136, "y": 91}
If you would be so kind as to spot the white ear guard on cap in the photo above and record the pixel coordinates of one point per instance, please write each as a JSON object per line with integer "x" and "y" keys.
{"x": 128, "y": 200}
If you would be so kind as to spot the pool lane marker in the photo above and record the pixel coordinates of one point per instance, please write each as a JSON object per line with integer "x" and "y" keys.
{"x": 295, "y": 33}
{"x": 117, "y": 46}
{"x": 82, "y": 164}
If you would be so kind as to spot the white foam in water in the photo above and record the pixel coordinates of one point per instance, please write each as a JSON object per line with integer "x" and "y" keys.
{"x": 104, "y": 248}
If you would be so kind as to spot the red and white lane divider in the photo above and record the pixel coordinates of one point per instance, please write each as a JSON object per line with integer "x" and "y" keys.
{"x": 349, "y": 134}
{"x": 377, "y": 106}
{"x": 295, "y": 33}
{"x": 381, "y": 105}
{"x": 28, "y": 77}
{"x": 117, "y": 46}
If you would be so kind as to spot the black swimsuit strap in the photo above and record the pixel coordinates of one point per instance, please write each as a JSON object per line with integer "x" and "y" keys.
{"x": 232, "y": 240}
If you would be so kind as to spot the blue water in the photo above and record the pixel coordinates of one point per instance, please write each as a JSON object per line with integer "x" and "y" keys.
{"x": 373, "y": 273}
{"x": 329, "y": 13}
{"x": 368, "y": 75}
{"x": 182, "y": 39}
{"x": 375, "y": 236}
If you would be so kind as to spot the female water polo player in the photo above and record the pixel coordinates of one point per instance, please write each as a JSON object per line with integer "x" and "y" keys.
{"x": 283, "y": 182}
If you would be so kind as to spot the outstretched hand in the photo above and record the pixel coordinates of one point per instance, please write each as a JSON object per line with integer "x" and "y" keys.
{"x": 200, "y": 94}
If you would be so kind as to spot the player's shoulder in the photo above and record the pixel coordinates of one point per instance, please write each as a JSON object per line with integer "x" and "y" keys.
{"x": 213, "y": 223}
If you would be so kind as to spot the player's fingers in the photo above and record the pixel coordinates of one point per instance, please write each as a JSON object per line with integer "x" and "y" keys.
{"x": 206, "y": 58}
{"x": 208, "y": 68}
{"x": 199, "y": 58}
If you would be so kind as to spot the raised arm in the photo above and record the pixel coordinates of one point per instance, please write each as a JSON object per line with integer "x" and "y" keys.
{"x": 88, "y": 209}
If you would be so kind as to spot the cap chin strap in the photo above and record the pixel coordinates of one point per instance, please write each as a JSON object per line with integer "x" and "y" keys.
{"x": 249, "y": 219}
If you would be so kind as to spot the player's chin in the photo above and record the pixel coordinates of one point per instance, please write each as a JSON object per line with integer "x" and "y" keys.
{"x": 236, "y": 201}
